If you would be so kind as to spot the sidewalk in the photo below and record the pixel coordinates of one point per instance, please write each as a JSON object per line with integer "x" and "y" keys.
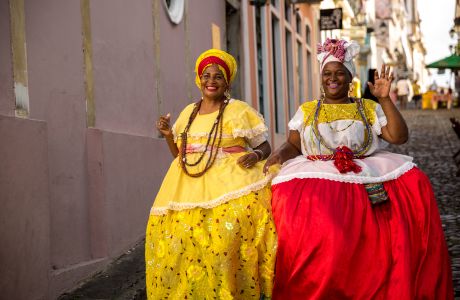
{"x": 124, "y": 279}
{"x": 432, "y": 143}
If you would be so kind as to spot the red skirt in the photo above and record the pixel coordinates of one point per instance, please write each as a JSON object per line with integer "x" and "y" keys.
{"x": 333, "y": 244}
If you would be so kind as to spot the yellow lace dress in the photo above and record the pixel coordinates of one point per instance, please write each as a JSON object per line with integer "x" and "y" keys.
{"x": 213, "y": 237}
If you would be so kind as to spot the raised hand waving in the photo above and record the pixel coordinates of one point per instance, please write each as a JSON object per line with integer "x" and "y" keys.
{"x": 382, "y": 82}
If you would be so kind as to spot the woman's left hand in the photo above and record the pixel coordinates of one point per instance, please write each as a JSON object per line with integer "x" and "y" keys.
{"x": 248, "y": 160}
{"x": 382, "y": 83}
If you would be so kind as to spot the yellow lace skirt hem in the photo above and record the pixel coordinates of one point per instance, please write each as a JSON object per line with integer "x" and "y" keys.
{"x": 224, "y": 252}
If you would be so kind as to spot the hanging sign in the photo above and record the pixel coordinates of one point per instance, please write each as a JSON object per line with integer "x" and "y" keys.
{"x": 330, "y": 19}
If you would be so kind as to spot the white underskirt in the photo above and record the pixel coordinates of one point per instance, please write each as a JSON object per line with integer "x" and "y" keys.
{"x": 380, "y": 167}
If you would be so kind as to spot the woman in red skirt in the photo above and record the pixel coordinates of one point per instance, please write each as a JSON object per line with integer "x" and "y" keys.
{"x": 354, "y": 221}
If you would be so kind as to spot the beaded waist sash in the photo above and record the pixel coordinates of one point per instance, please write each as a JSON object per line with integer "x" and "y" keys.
{"x": 201, "y": 148}
{"x": 343, "y": 159}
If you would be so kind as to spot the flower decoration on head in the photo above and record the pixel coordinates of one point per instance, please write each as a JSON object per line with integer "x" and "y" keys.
{"x": 224, "y": 61}
{"x": 338, "y": 50}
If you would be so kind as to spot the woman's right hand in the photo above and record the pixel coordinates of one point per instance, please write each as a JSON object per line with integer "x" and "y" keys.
{"x": 163, "y": 125}
{"x": 273, "y": 159}
{"x": 288, "y": 150}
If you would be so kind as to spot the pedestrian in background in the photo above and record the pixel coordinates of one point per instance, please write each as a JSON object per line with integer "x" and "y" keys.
{"x": 354, "y": 221}
{"x": 449, "y": 98}
{"x": 210, "y": 233}
{"x": 367, "y": 91}
{"x": 416, "y": 89}
{"x": 403, "y": 91}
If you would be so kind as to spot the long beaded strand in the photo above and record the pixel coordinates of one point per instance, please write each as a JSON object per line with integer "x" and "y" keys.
{"x": 215, "y": 130}
{"x": 192, "y": 117}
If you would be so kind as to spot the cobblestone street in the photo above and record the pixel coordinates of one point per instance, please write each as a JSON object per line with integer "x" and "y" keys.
{"x": 432, "y": 144}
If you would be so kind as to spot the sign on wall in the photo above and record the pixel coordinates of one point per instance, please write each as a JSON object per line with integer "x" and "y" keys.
{"x": 330, "y": 19}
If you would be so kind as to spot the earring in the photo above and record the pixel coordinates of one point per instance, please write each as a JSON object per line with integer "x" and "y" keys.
{"x": 227, "y": 95}
{"x": 350, "y": 90}
{"x": 323, "y": 94}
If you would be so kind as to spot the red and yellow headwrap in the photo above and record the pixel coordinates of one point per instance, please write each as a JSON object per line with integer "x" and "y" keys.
{"x": 224, "y": 61}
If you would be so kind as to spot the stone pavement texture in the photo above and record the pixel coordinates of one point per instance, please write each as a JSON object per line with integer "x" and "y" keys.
{"x": 432, "y": 143}
{"x": 122, "y": 280}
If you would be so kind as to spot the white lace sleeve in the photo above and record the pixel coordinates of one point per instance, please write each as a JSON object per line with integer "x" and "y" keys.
{"x": 296, "y": 123}
{"x": 381, "y": 120}
{"x": 256, "y": 140}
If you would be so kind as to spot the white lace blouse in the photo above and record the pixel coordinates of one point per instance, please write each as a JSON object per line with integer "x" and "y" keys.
{"x": 342, "y": 125}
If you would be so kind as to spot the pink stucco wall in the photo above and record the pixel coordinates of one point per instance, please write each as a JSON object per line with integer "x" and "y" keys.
{"x": 6, "y": 69}
{"x": 174, "y": 56}
{"x": 76, "y": 197}
{"x": 56, "y": 91}
{"x": 122, "y": 41}
{"x": 180, "y": 47}
{"x": 25, "y": 209}
{"x": 134, "y": 167}
{"x": 201, "y": 20}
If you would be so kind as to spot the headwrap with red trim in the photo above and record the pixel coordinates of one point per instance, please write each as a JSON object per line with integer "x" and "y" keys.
{"x": 224, "y": 61}
{"x": 338, "y": 50}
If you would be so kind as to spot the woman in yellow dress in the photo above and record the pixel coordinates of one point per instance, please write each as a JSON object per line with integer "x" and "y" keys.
{"x": 210, "y": 233}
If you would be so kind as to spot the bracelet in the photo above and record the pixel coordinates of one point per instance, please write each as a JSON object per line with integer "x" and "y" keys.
{"x": 256, "y": 151}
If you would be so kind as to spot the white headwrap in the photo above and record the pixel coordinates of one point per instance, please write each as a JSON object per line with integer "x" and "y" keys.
{"x": 338, "y": 50}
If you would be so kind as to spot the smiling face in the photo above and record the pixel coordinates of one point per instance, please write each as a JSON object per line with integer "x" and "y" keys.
{"x": 335, "y": 80}
{"x": 213, "y": 84}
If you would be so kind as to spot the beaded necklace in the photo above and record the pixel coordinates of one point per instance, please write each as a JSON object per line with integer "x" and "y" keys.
{"x": 355, "y": 153}
{"x": 212, "y": 143}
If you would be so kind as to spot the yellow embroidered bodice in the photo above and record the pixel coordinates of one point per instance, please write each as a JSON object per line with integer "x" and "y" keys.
{"x": 240, "y": 123}
{"x": 335, "y": 112}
